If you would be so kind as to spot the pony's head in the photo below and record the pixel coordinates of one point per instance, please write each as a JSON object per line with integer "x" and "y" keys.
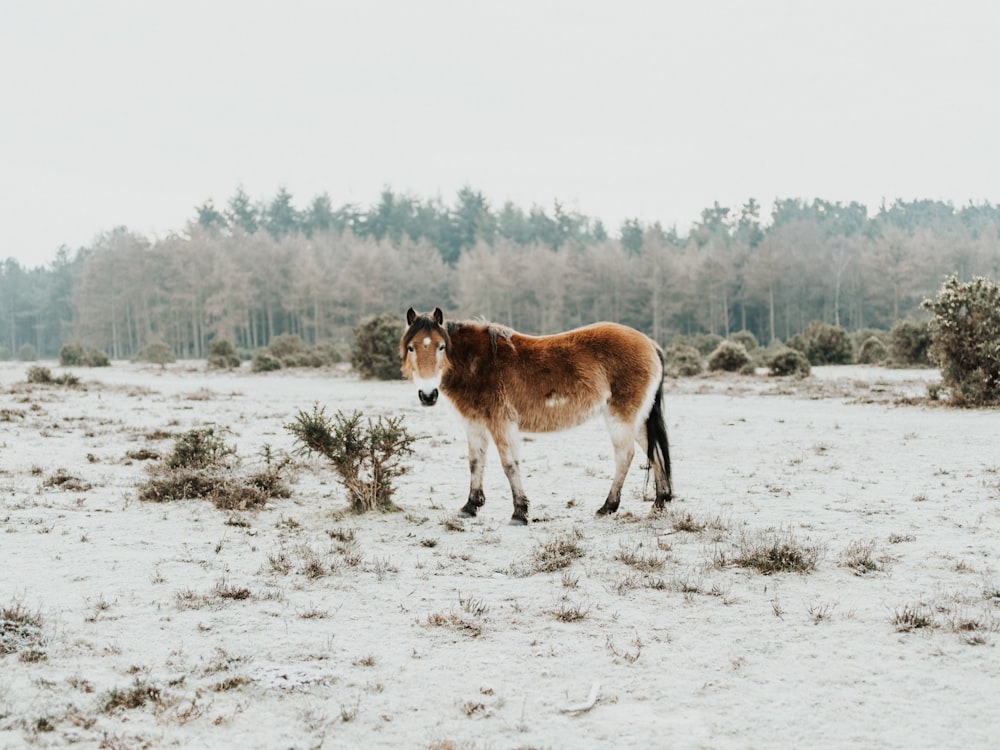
{"x": 424, "y": 349}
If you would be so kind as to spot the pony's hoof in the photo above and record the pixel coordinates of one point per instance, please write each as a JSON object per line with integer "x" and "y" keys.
{"x": 605, "y": 510}
{"x": 661, "y": 503}
{"x": 518, "y": 521}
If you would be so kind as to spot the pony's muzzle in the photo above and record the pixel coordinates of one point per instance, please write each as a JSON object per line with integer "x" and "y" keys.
{"x": 428, "y": 399}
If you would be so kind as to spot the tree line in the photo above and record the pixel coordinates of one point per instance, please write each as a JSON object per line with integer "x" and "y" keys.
{"x": 254, "y": 270}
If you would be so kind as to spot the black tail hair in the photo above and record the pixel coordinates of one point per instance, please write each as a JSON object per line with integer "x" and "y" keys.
{"x": 657, "y": 448}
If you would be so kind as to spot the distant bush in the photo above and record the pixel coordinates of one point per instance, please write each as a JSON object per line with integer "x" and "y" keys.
{"x": 909, "y": 343}
{"x": 223, "y": 355}
{"x": 4, "y": 354}
{"x": 729, "y": 356}
{"x": 965, "y": 340}
{"x": 746, "y": 338}
{"x": 43, "y": 376}
{"x": 288, "y": 350}
{"x": 788, "y": 361}
{"x": 681, "y": 360}
{"x": 376, "y": 347}
{"x": 264, "y": 362}
{"x": 706, "y": 343}
{"x": 97, "y": 358}
{"x": 156, "y": 353}
{"x": 71, "y": 355}
{"x": 74, "y": 355}
{"x": 823, "y": 344}
{"x": 287, "y": 346}
{"x": 27, "y": 353}
{"x": 860, "y": 336}
{"x": 39, "y": 374}
{"x": 872, "y": 352}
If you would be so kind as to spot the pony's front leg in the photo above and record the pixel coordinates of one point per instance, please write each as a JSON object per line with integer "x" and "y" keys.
{"x": 479, "y": 439}
{"x": 508, "y": 441}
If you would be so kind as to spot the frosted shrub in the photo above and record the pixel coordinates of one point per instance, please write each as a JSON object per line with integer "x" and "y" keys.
{"x": 376, "y": 347}
{"x": 788, "y": 361}
{"x": 965, "y": 340}
{"x": 729, "y": 356}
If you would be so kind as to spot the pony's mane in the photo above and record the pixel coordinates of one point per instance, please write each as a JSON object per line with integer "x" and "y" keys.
{"x": 495, "y": 330}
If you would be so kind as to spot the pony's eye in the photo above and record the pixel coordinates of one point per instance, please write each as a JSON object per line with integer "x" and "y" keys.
{"x": 409, "y": 347}
{"x": 441, "y": 348}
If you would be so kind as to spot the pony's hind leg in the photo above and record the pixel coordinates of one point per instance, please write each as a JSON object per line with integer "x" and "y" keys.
{"x": 479, "y": 439}
{"x": 623, "y": 437}
{"x": 508, "y": 441}
{"x": 661, "y": 472}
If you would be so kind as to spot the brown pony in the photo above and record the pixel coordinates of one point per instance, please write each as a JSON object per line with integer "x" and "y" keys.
{"x": 503, "y": 382}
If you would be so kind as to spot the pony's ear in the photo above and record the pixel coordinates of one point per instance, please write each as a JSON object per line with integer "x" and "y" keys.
{"x": 411, "y": 315}
{"x": 438, "y": 316}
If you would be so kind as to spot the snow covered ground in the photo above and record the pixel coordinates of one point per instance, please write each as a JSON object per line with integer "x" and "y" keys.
{"x": 134, "y": 624}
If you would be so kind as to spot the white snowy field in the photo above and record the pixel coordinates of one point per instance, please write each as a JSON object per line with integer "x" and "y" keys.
{"x": 133, "y": 624}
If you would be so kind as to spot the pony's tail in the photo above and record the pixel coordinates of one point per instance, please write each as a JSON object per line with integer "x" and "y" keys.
{"x": 657, "y": 447}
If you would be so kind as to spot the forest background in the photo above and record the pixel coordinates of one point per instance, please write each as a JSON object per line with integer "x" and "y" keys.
{"x": 256, "y": 269}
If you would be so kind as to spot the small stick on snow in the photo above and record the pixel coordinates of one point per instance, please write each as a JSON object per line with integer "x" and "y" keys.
{"x": 591, "y": 700}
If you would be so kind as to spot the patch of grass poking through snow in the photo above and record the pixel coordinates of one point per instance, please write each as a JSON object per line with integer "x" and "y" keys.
{"x": 468, "y": 626}
{"x": 772, "y": 551}
{"x": 21, "y": 633}
{"x": 136, "y": 695}
{"x": 911, "y": 618}
{"x": 551, "y": 555}
{"x": 634, "y": 556}
{"x": 861, "y": 558}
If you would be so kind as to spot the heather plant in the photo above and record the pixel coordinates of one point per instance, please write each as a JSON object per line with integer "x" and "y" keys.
{"x": 965, "y": 340}
{"x": 202, "y": 465}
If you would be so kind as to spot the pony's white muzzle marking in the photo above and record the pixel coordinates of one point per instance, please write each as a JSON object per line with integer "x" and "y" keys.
{"x": 427, "y": 390}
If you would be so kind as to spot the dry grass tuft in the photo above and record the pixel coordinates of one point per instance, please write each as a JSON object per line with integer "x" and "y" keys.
{"x": 772, "y": 551}
{"x": 911, "y": 618}
{"x": 554, "y": 554}
{"x": 644, "y": 561}
{"x": 464, "y": 625}
{"x": 21, "y": 633}
{"x": 135, "y": 696}
{"x": 63, "y": 480}
{"x": 861, "y": 558}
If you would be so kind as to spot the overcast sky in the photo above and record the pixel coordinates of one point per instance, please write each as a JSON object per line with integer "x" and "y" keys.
{"x": 134, "y": 112}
